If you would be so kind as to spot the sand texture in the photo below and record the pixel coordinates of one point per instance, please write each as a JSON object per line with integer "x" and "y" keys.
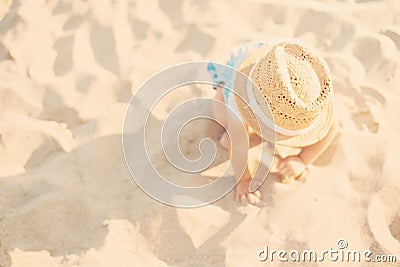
{"x": 68, "y": 69}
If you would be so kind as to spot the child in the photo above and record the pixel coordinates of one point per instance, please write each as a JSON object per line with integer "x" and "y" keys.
{"x": 295, "y": 83}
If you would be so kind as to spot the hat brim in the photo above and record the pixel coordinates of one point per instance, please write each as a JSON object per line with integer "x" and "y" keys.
{"x": 317, "y": 133}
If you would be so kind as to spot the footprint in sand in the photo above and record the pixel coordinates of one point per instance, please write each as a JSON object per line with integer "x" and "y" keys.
{"x": 56, "y": 110}
{"x": 197, "y": 41}
{"x": 140, "y": 28}
{"x": 364, "y": 99}
{"x": 336, "y": 33}
{"x": 315, "y": 21}
{"x": 63, "y": 63}
{"x": 275, "y": 11}
{"x": 377, "y": 54}
{"x": 173, "y": 12}
{"x": 364, "y": 118}
{"x": 102, "y": 41}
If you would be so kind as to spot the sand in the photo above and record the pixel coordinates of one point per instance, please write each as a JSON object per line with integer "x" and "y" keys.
{"x": 68, "y": 70}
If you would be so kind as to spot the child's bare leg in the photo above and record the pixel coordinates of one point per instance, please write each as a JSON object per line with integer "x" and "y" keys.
{"x": 220, "y": 114}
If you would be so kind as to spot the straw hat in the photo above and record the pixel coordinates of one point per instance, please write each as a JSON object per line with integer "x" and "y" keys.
{"x": 288, "y": 100}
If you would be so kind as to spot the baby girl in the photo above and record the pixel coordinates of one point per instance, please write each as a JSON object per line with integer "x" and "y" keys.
{"x": 290, "y": 94}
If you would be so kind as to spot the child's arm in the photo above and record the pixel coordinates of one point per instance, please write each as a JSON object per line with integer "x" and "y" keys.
{"x": 239, "y": 160}
{"x": 310, "y": 153}
{"x": 293, "y": 166}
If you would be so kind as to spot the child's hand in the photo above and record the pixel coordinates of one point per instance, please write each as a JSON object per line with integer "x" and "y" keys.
{"x": 242, "y": 192}
{"x": 291, "y": 167}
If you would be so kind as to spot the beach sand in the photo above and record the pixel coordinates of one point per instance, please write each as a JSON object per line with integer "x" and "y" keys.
{"x": 67, "y": 72}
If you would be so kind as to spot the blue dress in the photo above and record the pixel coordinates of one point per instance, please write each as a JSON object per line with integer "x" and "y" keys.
{"x": 227, "y": 75}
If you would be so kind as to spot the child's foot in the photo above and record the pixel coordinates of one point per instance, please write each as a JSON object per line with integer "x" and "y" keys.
{"x": 224, "y": 141}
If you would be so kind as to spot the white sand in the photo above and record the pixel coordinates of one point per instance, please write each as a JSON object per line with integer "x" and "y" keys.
{"x": 67, "y": 71}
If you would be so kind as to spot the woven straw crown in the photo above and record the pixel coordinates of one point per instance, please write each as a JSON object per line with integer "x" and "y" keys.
{"x": 292, "y": 88}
